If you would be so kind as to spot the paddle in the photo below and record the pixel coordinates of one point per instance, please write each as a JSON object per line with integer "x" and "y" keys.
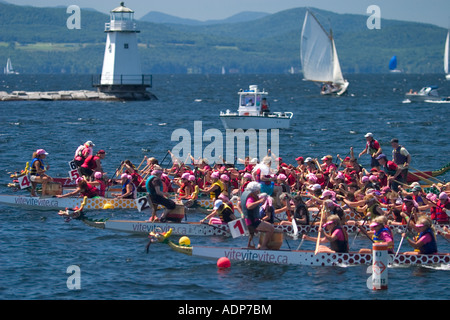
{"x": 320, "y": 230}
{"x": 427, "y": 175}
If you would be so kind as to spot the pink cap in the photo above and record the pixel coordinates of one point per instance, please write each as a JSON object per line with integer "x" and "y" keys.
{"x": 327, "y": 193}
{"x": 185, "y": 175}
{"x": 373, "y": 178}
{"x": 191, "y": 177}
{"x": 281, "y": 176}
{"x": 41, "y": 151}
{"x": 98, "y": 175}
{"x": 215, "y": 175}
{"x": 247, "y": 175}
{"x": 364, "y": 179}
{"x": 443, "y": 196}
{"x": 126, "y": 175}
{"x": 224, "y": 177}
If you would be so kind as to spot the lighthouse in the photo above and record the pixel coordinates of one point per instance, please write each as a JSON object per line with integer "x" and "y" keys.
{"x": 122, "y": 73}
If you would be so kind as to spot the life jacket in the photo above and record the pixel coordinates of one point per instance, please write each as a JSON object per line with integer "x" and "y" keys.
{"x": 101, "y": 188}
{"x": 90, "y": 162}
{"x": 33, "y": 170}
{"x": 225, "y": 213}
{"x": 216, "y": 193}
{"x": 182, "y": 190}
{"x": 398, "y": 157}
{"x": 339, "y": 245}
{"x": 430, "y": 247}
{"x": 90, "y": 191}
{"x": 372, "y": 210}
{"x": 376, "y": 237}
{"x": 250, "y": 215}
{"x": 439, "y": 213}
{"x": 390, "y": 168}
{"x": 124, "y": 189}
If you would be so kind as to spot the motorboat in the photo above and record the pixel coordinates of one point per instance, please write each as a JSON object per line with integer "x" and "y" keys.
{"x": 426, "y": 93}
{"x": 253, "y": 113}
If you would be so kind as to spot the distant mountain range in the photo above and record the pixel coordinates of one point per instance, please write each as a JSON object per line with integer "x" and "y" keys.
{"x": 38, "y": 41}
{"x": 159, "y": 17}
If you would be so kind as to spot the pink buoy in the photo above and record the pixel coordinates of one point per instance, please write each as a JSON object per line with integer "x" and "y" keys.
{"x": 223, "y": 262}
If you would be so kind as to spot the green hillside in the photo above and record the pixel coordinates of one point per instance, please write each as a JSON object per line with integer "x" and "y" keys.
{"x": 38, "y": 41}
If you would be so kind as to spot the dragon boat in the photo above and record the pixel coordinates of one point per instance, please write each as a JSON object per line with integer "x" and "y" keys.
{"x": 299, "y": 257}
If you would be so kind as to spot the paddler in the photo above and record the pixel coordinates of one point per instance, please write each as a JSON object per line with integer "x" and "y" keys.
{"x": 84, "y": 189}
{"x": 216, "y": 188}
{"x": 250, "y": 203}
{"x": 128, "y": 187}
{"x": 223, "y": 210}
{"x": 334, "y": 234}
{"x": 426, "y": 240}
{"x": 380, "y": 233}
{"x": 37, "y": 172}
{"x": 392, "y": 170}
{"x": 154, "y": 188}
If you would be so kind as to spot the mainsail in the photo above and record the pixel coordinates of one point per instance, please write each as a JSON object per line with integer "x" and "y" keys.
{"x": 318, "y": 53}
{"x": 446, "y": 53}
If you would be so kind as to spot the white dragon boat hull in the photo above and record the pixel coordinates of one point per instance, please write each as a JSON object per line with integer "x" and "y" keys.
{"x": 305, "y": 257}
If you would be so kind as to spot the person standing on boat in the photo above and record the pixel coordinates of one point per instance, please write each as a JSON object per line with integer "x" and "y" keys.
{"x": 154, "y": 187}
{"x": 250, "y": 203}
{"x": 264, "y": 106}
{"x": 37, "y": 172}
{"x": 83, "y": 151}
{"x": 402, "y": 158}
{"x": 373, "y": 149}
{"x": 92, "y": 164}
{"x": 426, "y": 240}
{"x": 334, "y": 234}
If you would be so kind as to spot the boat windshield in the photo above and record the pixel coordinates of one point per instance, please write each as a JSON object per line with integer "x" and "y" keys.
{"x": 250, "y": 100}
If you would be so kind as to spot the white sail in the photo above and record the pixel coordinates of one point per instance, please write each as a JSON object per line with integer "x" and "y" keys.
{"x": 446, "y": 53}
{"x": 316, "y": 51}
{"x": 337, "y": 73}
{"x": 9, "y": 68}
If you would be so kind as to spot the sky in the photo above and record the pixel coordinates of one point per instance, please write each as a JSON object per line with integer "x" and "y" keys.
{"x": 432, "y": 11}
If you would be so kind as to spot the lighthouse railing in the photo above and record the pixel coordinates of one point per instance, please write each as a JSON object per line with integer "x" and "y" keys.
{"x": 145, "y": 80}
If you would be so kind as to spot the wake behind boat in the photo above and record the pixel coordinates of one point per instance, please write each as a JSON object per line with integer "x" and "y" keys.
{"x": 319, "y": 57}
{"x": 253, "y": 113}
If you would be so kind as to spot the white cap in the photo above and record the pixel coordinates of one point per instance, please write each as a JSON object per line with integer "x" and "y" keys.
{"x": 217, "y": 204}
{"x": 369, "y": 134}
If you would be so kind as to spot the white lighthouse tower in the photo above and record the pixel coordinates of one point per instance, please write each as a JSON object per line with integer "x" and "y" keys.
{"x": 122, "y": 73}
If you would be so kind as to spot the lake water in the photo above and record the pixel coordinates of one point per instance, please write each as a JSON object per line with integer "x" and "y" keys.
{"x": 37, "y": 247}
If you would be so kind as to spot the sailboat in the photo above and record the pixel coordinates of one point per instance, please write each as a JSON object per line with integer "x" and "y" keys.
{"x": 319, "y": 57}
{"x": 446, "y": 56}
{"x": 393, "y": 65}
{"x": 9, "y": 68}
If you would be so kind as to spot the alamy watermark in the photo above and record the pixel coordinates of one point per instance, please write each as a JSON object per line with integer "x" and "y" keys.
{"x": 74, "y": 280}
{"x": 374, "y": 20}
{"x": 220, "y": 149}
{"x": 74, "y": 21}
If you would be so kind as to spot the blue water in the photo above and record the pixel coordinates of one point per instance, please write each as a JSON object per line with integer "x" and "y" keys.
{"x": 37, "y": 247}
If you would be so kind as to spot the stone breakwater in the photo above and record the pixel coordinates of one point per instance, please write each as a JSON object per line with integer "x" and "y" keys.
{"x": 74, "y": 95}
